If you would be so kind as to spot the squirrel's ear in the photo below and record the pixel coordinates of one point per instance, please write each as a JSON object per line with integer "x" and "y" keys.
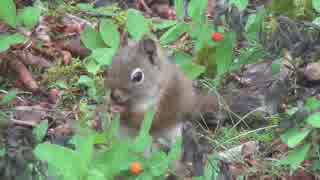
{"x": 149, "y": 47}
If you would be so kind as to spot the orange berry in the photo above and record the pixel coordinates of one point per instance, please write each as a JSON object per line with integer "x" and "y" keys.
{"x": 135, "y": 168}
{"x": 217, "y": 37}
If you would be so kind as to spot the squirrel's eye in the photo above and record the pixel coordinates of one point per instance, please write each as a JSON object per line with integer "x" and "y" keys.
{"x": 137, "y": 76}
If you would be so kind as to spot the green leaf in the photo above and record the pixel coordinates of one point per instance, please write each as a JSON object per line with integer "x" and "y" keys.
{"x": 144, "y": 140}
{"x": 164, "y": 24}
{"x": 41, "y": 130}
{"x": 240, "y": 4}
{"x": 316, "y": 5}
{"x": 95, "y": 174}
{"x": 8, "y": 97}
{"x": 118, "y": 155}
{"x": 314, "y": 120}
{"x": 296, "y": 157}
{"x": 192, "y": 70}
{"x": 275, "y": 67}
{"x": 294, "y": 136}
{"x": 147, "y": 122}
{"x": 8, "y": 12}
{"x": 2, "y": 152}
{"x": 224, "y": 53}
{"x": 109, "y": 33}
{"x": 137, "y": 25}
{"x": 316, "y": 21}
{"x": 84, "y": 146}
{"x": 92, "y": 66}
{"x": 65, "y": 160}
{"x": 176, "y": 150}
{"x": 312, "y": 104}
{"x": 173, "y": 33}
{"x": 197, "y": 9}
{"x": 7, "y": 41}
{"x": 4, "y": 118}
{"x": 179, "y": 6}
{"x": 86, "y": 80}
{"x": 141, "y": 143}
{"x": 92, "y": 39}
{"x": 254, "y": 26}
{"x": 203, "y": 36}
{"x": 103, "y": 56}
{"x": 29, "y": 16}
{"x": 158, "y": 164}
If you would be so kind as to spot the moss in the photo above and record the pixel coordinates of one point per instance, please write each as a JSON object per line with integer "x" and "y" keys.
{"x": 65, "y": 73}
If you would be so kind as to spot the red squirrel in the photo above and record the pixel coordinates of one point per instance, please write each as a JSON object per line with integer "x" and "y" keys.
{"x": 140, "y": 76}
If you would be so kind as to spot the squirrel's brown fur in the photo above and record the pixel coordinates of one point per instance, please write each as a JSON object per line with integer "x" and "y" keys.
{"x": 164, "y": 86}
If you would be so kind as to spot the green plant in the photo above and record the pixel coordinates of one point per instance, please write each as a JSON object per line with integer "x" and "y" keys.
{"x": 304, "y": 138}
{"x": 27, "y": 17}
{"x": 113, "y": 159}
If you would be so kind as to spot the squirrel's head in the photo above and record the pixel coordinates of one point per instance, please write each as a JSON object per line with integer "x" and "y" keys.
{"x": 134, "y": 76}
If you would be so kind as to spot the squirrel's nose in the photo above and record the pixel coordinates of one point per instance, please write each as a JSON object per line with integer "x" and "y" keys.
{"x": 116, "y": 96}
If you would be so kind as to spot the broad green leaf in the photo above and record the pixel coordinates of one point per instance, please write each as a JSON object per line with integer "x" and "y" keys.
{"x": 224, "y": 53}
{"x": 92, "y": 39}
{"x": 158, "y": 164}
{"x": 316, "y": 5}
{"x": 296, "y": 157}
{"x": 109, "y": 33}
{"x": 275, "y": 67}
{"x": 137, "y": 25}
{"x": 92, "y": 66}
{"x": 144, "y": 140}
{"x": 182, "y": 57}
{"x": 8, "y": 12}
{"x": 197, "y": 10}
{"x": 176, "y": 150}
{"x": 4, "y": 118}
{"x": 65, "y": 160}
{"x": 114, "y": 127}
{"x": 84, "y": 146}
{"x": 173, "y": 33}
{"x": 164, "y": 24}
{"x": 141, "y": 143}
{"x": 147, "y": 122}
{"x": 2, "y": 152}
{"x": 29, "y": 16}
{"x": 312, "y": 104}
{"x": 294, "y": 136}
{"x": 247, "y": 56}
{"x": 7, "y": 41}
{"x": 86, "y": 80}
{"x": 8, "y": 97}
{"x": 95, "y": 174}
{"x": 316, "y": 21}
{"x": 103, "y": 56}
{"x": 179, "y": 6}
{"x": 86, "y": 7}
{"x": 314, "y": 120}
{"x": 240, "y": 4}
{"x": 254, "y": 26}
{"x": 203, "y": 38}
{"x": 316, "y": 165}
{"x": 192, "y": 70}
{"x": 117, "y": 155}
{"x": 41, "y": 130}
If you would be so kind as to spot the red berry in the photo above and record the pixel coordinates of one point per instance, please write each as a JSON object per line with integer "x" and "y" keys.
{"x": 135, "y": 168}
{"x": 217, "y": 37}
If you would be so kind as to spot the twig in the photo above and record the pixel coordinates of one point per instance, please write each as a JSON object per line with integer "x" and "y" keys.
{"x": 24, "y": 123}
